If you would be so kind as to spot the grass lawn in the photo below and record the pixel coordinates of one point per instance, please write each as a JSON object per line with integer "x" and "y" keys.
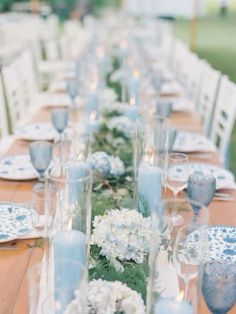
{"x": 216, "y": 43}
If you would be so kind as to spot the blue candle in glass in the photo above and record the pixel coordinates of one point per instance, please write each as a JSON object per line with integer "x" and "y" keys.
{"x": 170, "y": 306}
{"x": 133, "y": 86}
{"x": 92, "y": 123}
{"x": 69, "y": 248}
{"x": 149, "y": 186}
{"x": 70, "y": 245}
{"x": 131, "y": 110}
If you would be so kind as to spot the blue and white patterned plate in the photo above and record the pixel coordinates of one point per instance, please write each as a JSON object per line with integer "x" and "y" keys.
{"x": 224, "y": 178}
{"x": 15, "y": 221}
{"x": 17, "y": 167}
{"x": 37, "y": 132}
{"x": 188, "y": 142}
{"x": 222, "y": 243}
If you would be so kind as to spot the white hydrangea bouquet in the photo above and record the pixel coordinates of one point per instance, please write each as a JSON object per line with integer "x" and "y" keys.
{"x": 121, "y": 124}
{"x": 106, "y": 165}
{"x": 108, "y": 297}
{"x": 122, "y": 235}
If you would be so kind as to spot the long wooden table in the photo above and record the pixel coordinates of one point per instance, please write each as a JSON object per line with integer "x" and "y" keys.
{"x": 14, "y": 265}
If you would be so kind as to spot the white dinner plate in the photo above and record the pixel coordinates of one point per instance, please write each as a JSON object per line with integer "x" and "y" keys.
{"x": 224, "y": 178}
{"x": 16, "y": 221}
{"x": 17, "y": 167}
{"x": 40, "y": 131}
{"x": 188, "y": 142}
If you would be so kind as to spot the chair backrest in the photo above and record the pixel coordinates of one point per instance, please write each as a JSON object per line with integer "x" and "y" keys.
{"x": 190, "y": 75}
{"x": 4, "y": 129}
{"x": 27, "y": 77}
{"x": 223, "y": 120}
{"x": 180, "y": 50}
{"x": 15, "y": 103}
{"x": 207, "y": 94}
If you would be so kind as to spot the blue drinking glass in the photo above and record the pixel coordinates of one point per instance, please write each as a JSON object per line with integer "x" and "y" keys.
{"x": 40, "y": 156}
{"x": 201, "y": 188}
{"x": 59, "y": 118}
{"x": 218, "y": 286}
{"x": 72, "y": 89}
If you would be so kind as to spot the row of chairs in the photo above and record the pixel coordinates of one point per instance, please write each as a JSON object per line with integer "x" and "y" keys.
{"x": 212, "y": 93}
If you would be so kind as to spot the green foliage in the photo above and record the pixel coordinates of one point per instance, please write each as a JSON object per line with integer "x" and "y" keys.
{"x": 134, "y": 275}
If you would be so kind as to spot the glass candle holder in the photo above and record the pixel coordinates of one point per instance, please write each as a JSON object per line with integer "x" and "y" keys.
{"x": 73, "y": 183}
{"x": 178, "y": 246}
{"x": 150, "y": 151}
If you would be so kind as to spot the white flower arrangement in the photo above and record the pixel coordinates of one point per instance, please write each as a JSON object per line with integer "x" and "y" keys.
{"x": 111, "y": 107}
{"x": 122, "y": 124}
{"x": 108, "y": 297}
{"x": 122, "y": 235}
{"x": 106, "y": 164}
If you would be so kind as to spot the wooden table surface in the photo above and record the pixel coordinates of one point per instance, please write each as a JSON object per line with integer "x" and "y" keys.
{"x": 14, "y": 265}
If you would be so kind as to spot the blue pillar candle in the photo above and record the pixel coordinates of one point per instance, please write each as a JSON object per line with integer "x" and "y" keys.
{"x": 70, "y": 244}
{"x": 92, "y": 123}
{"x": 149, "y": 186}
{"x": 92, "y": 102}
{"x": 69, "y": 248}
{"x": 170, "y": 306}
{"x": 131, "y": 110}
{"x": 133, "y": 86}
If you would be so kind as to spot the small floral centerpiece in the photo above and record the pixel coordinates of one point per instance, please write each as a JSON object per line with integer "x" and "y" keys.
{"x": 114, "y": 109}
{"x": 122, "y": 235}
{"x": 106, "y": 165}
{"x": 108, "y": 297}
{"x": 122, "y": 124}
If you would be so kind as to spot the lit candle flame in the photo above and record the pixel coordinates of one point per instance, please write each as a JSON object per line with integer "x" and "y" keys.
{"x": 180, "y": 296}
{"x": 136, "y": 73}
{"x": 132, "y": 101}
{"x": 149, "y": 157}
{"x": 100, "y": 52}
{"x": 124, "y": 44}
{"x": 92, "y": 116}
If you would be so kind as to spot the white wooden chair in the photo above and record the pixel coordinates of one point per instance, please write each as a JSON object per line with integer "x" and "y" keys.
{"x": 223, "y": 120}
{"x": 4, "y": 130}
{"x": 13, "y": 92}
{"x": 207, "y": 94}
{"x": 190, "y": 75}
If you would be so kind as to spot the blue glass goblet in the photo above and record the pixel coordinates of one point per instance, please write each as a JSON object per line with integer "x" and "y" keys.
{"x": 59, "y": 118}
{"x": 72, "y": 89}
{"x": 201, "y": 188}
{"x": 40, "y": 156}
{"x": 218, "y": 286}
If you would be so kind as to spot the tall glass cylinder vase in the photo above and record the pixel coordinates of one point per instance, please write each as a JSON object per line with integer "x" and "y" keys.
{"x": 178, "y": 246}
{"x": 150, "y": 152}
{"x": 73, "y": 183}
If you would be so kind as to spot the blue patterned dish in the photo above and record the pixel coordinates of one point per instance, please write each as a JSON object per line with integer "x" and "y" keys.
{"x": 222, "y": 243}
{"x": 224, "y": 178}
{"x": 17, "y": 167}
{"x": 40, "y": 131}
{"x": 15, "y": 221}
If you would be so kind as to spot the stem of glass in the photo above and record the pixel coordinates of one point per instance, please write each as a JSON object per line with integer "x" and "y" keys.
{"x": 186, "y": 289}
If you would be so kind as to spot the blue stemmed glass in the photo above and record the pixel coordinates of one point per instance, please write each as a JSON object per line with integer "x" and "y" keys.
{"x": 59, "y": 118}
{"x": 40, "y": 156}
{"x": 218, "y": 286}
{"x": 72, "y": 90}
{"x": 201, "y": 188}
